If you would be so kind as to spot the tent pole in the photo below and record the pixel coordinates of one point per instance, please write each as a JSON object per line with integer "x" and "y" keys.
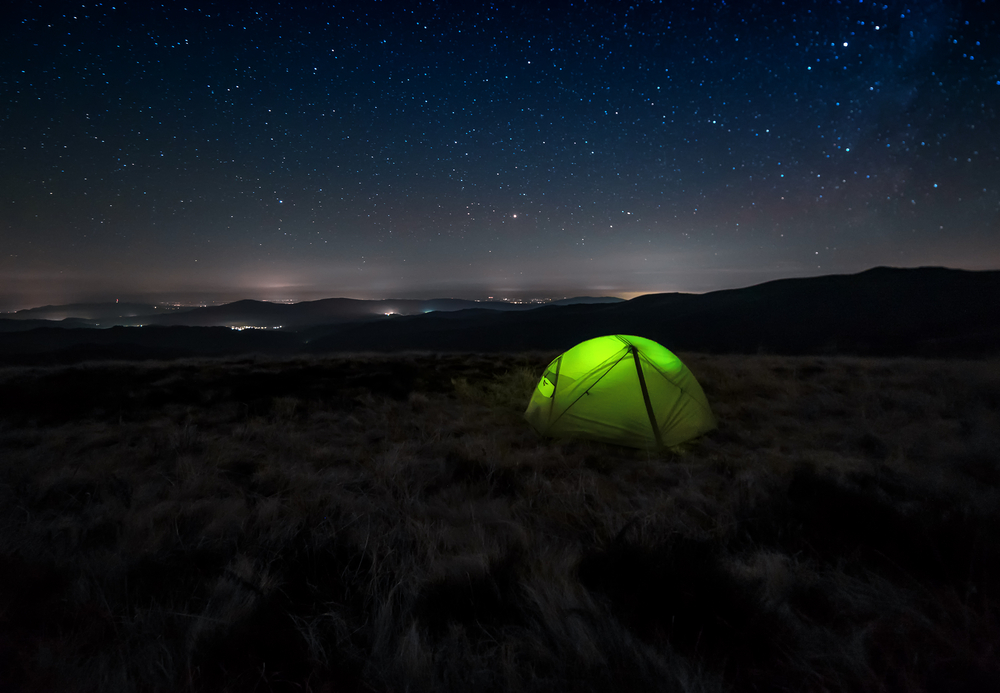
{"x": 555, "y": 386}
{"x": 645, "y": 398}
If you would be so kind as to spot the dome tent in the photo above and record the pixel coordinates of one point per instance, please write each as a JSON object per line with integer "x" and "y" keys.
{"x": 620, "y": 389}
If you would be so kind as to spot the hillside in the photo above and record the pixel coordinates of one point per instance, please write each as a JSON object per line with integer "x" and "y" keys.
{"x": 926, "y": 311}
{"x": 930, "y": 312}
{"x": 390, "y": 522}
{"x": 260, "y": 314}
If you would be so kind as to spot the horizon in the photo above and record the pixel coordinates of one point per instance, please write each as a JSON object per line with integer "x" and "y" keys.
{"x": 195, "y": 300}
{"x": 684, "y": 281}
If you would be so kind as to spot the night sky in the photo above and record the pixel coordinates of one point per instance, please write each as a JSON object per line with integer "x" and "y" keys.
{"x": 206, "y": 151}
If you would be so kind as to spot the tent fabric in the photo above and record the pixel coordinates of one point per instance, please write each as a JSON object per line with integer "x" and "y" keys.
{"x": 620, "y": 389}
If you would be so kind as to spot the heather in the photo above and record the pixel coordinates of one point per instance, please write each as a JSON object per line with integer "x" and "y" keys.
{"x": 389, "y": 523}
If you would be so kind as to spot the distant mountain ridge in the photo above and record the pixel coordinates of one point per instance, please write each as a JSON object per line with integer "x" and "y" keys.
{"x": 84, "y": 311}
{"x": 927, "y": 311}
{"x": 310, "y": 313}
{"x": 252, "y": 313}
{"x": 889, "y": 311}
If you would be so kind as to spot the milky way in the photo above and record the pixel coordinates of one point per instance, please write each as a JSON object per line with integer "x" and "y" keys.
{"x": 374, "y": 149}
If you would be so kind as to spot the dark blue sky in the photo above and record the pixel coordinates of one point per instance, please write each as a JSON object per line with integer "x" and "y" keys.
{"x": 373, "y": 149}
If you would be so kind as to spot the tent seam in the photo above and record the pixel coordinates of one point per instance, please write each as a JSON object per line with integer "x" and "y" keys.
{"x": 570, "y": 405}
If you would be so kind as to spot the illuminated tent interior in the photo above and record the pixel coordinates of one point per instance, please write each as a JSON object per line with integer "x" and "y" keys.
{"x": 623, "y": 390}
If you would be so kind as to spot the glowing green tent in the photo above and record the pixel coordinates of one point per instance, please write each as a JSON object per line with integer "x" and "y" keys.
{"x": 623, "y": 390}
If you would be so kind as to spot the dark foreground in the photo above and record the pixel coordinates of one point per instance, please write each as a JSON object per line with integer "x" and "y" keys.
{"x": 389, "y": 523}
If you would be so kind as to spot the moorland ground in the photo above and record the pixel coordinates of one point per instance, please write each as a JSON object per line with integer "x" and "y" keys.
{"x": 390, "y": 523}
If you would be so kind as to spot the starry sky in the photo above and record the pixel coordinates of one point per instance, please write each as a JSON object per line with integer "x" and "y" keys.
{"x": 210, "y": 151}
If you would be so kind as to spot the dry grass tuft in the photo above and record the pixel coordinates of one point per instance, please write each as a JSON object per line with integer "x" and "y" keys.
{"x": 390, "y": 523}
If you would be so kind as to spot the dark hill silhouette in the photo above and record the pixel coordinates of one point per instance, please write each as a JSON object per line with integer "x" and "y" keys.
{"x": 288, "y": 316}
{"x": 883, "y": 311}
{"x": 330, "y": 311}
{"x": 586, "y": 299}
{"x": 24, "y": 324}
{"x": 54, "y": 345}
{"x": 253, "y": 313}
{"x": 927, "y": 311}
{"x": 86, "y": 311}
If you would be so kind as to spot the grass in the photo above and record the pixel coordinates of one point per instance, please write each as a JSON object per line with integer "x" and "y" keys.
{"x": 390, "y": 523}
